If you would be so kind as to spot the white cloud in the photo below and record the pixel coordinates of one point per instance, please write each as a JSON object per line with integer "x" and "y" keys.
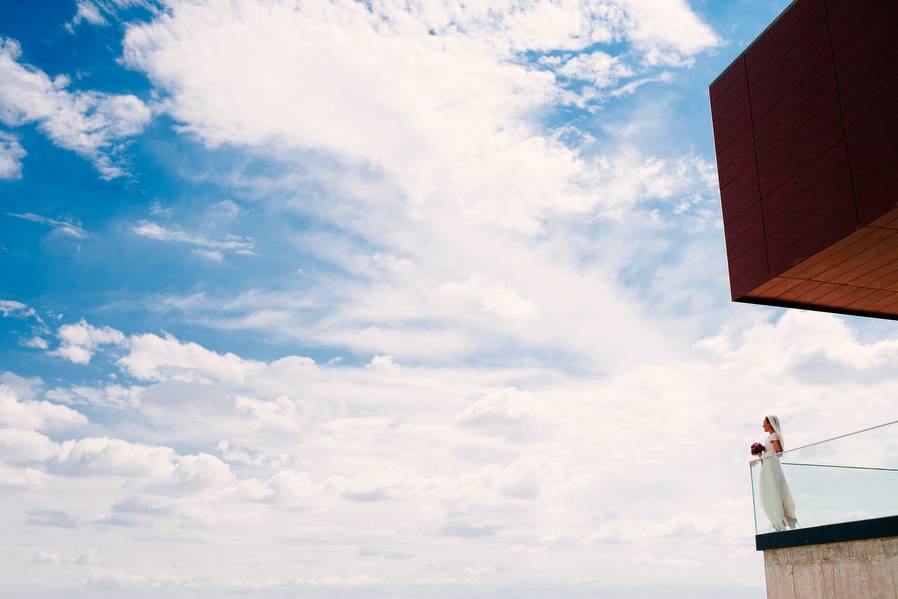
{"x": 19, "y": 410}
{"x": 92, "y": 124}
{"x": 11, "y": 155}
{"x": 88, "y": 11}
{"x": 383, "y": 364}
{"x": 437, "y": 461}
{"x": 668, "y": 32}
{"x": 23, "y": 446}
{"x": 494, "y": 298}
{"x": 108, "y": 397}
{"x": 516, "y": 414}
{"x": 65, "y": 227}
{"x": 404, "y": 99}
{"x": 98, "y": 12}
{"x": 201, "y": 471}
{"x": 112, "y": 457}
{"x": 25, "y": 478}
{"x": 598, "y": 67}
{"x": 480, "y": 237}
{"x": 79, "y": 341}
{"x": 159, "y": 358}
{"x": 12, "y": 308}
{"x": 425, "y": 126}
{"x": 209, "y": 248}
{"x": 36, "y": 342}
{"x": 85, "y": 558}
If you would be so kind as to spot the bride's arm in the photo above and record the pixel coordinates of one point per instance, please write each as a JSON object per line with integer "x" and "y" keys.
{"x": 777, "y": 446}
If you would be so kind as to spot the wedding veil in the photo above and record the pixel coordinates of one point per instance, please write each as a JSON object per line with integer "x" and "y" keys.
{"x": 775, "y": 423}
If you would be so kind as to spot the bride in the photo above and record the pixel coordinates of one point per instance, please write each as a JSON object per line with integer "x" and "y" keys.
{"x": 776, "y": 498}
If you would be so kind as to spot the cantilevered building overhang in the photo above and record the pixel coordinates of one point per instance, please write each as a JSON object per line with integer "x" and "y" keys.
{"x": 806, "y": 134}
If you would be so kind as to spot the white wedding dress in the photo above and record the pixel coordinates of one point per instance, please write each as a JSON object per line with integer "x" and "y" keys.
{"x": 776, "y": 498}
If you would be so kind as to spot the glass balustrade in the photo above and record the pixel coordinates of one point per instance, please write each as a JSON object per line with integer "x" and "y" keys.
{"x": 844, "y": 479}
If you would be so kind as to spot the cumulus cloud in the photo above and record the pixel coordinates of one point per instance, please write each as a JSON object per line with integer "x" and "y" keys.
{"x": 18, "y": 408}
{"x": 112, "y": 457}
{"x": 23, "y": 446}
{"x": 553, "y": 465}
{"x": 155, "y": 469}
{"x": 79, "y": 341}
{"x": 109, "y": 397}
{"x": 201, "y": 471}
{"x": 93, "y": 124}
{"x": 158, "y": 358}
{"x": 508, "y": 412}
{"x": 11, "y": 155}
{"x": 477, "y": 225}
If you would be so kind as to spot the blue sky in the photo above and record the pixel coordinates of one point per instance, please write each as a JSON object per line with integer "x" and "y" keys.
{"x": 384, "y": 299}
{"x": 111, "y": 271}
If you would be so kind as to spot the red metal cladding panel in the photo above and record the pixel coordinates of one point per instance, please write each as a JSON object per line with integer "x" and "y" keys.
{"x": 731, "y": 158}
{"x": 744, "y": 231}
{"x": 860, "y": 62}
{"x": 831, "y": 230}
{"x": 731, "y": 129}
{"x": 790, "y": 245}
{"x": 869, "y": 85}
{"x": 748, "y": 271}
{"x": 769, "y": 63}
{"x": 826, "y": 177}
{"x": 768, "y": 92}
{"x": 806, "y": 136}
{"x": 873, "y": 268}
{"x": 800, "y": 149}
{"x": 882, "y": 197}
{"x": 734, "y": 141}
{"x": 855, "y": 31}
{"x": 737, "y": 169}
{"x": 735, "y": 93}
{"x": 874, "y": 146}
{"x": 785, "y": 117}
{"x": 863, "y": 107}
{"x": 726, "y": 80}
{"x": 740, "y": 193}
{"x": 844, "y": 12}
{"x": 872, "y": 143}
{"x": 791, "y": 25}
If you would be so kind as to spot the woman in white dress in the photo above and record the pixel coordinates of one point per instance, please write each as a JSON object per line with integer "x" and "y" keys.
{"x": 776, "y": 498}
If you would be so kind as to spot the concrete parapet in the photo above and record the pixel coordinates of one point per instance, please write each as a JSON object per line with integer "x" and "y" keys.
{"x": 862, "y": 569}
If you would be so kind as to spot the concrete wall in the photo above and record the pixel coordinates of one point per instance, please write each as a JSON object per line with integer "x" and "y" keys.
{"x": 849, "y": 570}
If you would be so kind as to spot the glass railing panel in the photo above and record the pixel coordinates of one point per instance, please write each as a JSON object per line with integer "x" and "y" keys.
{"x": 874, "y": 447}
{"x": 849, "y": 478}
{"x": 759, "y": 520}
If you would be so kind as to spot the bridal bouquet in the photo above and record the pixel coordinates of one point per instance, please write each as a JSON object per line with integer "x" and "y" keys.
{"x": 757, "y": 449}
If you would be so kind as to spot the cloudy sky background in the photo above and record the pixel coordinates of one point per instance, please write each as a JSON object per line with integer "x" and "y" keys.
{"x": 386, "y": 299}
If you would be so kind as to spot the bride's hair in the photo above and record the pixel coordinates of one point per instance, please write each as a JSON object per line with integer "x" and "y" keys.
{"x": 775, "y": 424}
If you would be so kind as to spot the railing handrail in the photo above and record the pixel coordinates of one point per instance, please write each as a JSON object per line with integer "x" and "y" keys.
{"x": 840, "y": 437}
{"x": 838, "y": 466}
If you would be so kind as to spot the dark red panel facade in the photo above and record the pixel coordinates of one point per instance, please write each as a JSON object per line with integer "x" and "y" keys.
{"x": 806, "y": 135}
